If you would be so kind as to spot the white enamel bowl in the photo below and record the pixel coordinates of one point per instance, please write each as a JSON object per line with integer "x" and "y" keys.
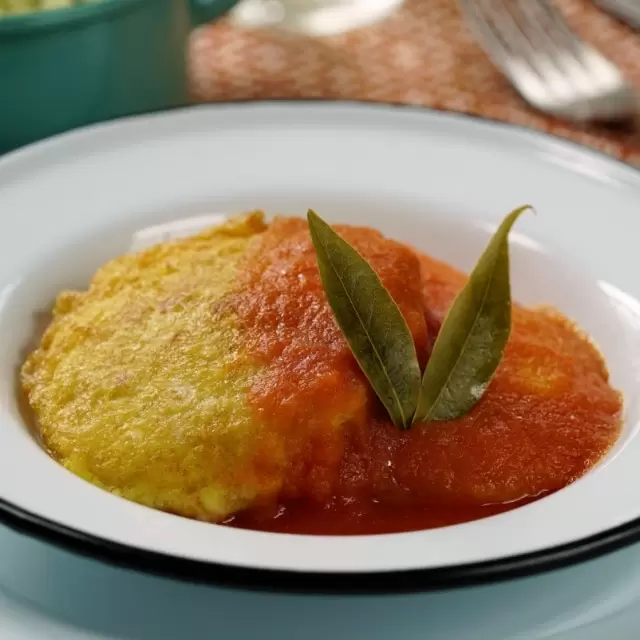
{"x": 439, "y": 181}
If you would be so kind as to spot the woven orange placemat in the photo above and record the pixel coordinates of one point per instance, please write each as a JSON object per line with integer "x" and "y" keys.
{"x": 422, "y": 55}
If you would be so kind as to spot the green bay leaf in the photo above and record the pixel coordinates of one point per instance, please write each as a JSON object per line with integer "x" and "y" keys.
{"x": 473, "y": 336}
{"x": 370, "y": 320}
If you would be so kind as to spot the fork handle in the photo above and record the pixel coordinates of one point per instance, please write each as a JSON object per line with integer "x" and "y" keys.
{"x": 624, "y": 10}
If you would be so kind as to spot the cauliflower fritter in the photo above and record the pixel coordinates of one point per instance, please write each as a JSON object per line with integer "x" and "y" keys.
{"x": 198, "y": 378}
{"x": 207, "y": 377}
{"x": 139, "y": 383}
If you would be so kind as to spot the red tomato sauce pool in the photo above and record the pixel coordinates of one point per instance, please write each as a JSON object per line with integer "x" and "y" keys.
{"x": 352, "y": 517}
{"x": 548, "y": 416}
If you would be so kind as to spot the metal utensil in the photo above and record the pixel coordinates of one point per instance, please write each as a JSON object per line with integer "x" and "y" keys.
{"x": 550, "y": 66}
{"x": 627, "y": 11}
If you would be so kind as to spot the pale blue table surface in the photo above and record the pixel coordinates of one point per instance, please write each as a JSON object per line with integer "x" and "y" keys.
{"x": 73, "y": 598}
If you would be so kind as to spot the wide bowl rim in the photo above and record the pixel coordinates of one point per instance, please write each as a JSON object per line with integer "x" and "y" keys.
{"x": 327, "y": 582}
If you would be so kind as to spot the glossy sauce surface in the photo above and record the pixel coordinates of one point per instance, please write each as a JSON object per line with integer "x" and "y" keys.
{"x": 364, "y": 517}
{"x": 207, "y": 377}
{"x": 548, "y": 416}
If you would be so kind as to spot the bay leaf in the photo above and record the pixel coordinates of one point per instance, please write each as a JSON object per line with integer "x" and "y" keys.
{"x": 473, "y": 336}
{"x": 370, "y": 320}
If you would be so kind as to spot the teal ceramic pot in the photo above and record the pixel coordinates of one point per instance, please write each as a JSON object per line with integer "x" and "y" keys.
{"x": 66, "y": 68}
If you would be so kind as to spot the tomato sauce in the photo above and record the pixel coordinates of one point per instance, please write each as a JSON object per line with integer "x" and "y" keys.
{"x": 362, "y": 517}
{"x": 342, "y": 467}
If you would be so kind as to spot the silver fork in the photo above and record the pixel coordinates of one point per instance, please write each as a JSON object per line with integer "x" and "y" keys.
{"x": 549, "y": 65}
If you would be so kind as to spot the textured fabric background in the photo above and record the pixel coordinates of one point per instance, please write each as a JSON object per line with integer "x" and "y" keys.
{"x": 422, "y": 54}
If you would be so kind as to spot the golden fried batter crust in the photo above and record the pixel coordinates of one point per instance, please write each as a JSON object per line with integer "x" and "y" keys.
{"x": 207, "y": 375}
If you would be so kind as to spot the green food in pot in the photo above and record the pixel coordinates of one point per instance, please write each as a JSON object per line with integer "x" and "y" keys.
{"x": 14, "y": 7}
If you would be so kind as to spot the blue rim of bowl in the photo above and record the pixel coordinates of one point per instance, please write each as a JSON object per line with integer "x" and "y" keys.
{"x": 336, "y": 583}
{"x": 36, "y": 21}
{"x": 53, "y": 18}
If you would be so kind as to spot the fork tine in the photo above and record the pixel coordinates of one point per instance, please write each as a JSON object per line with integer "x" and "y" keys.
{"x": 549, "y": 65}
{"x": 554, "y": 43}
{"x": 500, "y": 32}
{"x": 596, "y": 65}
{"x": 585, "y": 68}
{"x": 525, "y": 45}
{"x": 505, "y": 47}
{"x": 537, "y": 25}
{"x": 550, "y": 18}
{"x": 485, "y": 32}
